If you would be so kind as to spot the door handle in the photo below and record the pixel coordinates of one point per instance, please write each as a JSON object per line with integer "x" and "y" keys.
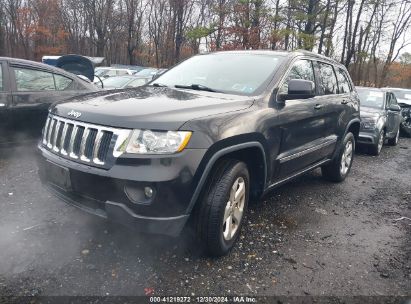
{"x": 318, "y": 106}
{"x": 345, "y": 101}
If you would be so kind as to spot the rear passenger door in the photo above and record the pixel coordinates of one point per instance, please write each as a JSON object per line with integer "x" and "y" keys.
{"x": 334, "y": 102}
{"x": 393, "y": 117}
{"x": 34, "y": 90}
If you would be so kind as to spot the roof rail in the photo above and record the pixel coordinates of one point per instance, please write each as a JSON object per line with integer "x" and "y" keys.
{"x": 317, "y": 55}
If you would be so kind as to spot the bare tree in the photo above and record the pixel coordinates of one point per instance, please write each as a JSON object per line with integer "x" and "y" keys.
{"x": 401, "y": 24}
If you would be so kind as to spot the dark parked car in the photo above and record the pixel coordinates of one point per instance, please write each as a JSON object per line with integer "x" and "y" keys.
{"x": 404, "y": 101}
{"x": 27, "y": 89}
{"x": 380, "y": 118}
{"x": 201, "y": 141}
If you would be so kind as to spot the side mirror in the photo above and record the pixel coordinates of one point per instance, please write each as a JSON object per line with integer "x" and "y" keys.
{"x": 299, "y": 89}
{"x": 395, "y": 108}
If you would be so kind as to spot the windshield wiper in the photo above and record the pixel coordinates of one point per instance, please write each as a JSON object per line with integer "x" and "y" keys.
{"x": 198, "y": 87}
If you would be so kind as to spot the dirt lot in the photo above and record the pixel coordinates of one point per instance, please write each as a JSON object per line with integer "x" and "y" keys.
{"x": 309, "y": 237}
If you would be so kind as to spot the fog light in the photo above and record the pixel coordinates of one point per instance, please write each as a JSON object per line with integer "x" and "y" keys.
{"x": 148, "y": 191}
{"x": 138, "y": 193}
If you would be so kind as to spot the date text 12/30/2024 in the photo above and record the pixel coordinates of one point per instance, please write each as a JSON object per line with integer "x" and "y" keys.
{"x": 199, "y": 299}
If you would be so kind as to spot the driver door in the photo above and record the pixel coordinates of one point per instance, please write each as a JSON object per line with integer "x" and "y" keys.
{"x": 393, "y": 117}
{"x": 302, "y": 125}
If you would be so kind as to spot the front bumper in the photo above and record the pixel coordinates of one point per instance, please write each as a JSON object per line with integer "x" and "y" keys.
{"x": 368, "y": 137}
{"x": 118, "y": 194}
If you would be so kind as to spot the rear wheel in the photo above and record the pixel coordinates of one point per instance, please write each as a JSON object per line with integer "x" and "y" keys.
{"x": 221, "y": 212}
{"x": 406, "y": 127}
{"x": 394, "y": 141}
{"x": 376, "y": 149}
{"x": 339, "y": 168}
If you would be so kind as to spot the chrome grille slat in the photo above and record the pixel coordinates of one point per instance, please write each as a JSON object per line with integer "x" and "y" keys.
{"x": 66, "y": 140}
{"x": 81, "y": 141}
{"x": 71, "y": 146}
{"x": 86, "y": 134}
{"x": 55, "y": 133}
{"x": 52, "y": 125}
{"x": 46, "y": 130}
{"x": 56, "y": 136}
{"x": 97, "y": 143}
{"x": 63, "y": 139}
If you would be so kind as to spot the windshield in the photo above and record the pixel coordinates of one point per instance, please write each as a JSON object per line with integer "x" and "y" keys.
{"x": 371, "y": 98}
{"x": 115, "y": 82}
{"x": 402, "y": 94}
{"x": 241, "y": 74}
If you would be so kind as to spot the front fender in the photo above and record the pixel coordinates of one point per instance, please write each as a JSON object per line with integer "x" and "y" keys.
{"x": 205, "y": 167}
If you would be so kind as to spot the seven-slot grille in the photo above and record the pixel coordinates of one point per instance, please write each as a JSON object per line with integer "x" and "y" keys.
{"x": 79, "y": 141}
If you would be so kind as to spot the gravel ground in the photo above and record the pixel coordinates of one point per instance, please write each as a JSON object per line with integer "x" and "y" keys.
{"x": 309, "y": 237}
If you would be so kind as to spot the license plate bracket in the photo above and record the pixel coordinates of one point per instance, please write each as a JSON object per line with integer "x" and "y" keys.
{"x": 58, "y": 176}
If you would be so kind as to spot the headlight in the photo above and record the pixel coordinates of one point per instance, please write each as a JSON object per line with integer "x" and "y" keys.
{"x": 369, "y": 124}
{"x": 157, "y": 142}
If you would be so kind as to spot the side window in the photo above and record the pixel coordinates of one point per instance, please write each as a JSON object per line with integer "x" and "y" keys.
{"x": 343, "y": 82}
{"x": 388, "y": 100}
{"x": 302, "y": 69}
{"x": 328, "y": 81}
{"x": 33, "y": 80}
{"x": 393, "y": 99}
{"x": 1, "y": 78}
{"x": 62, "y": 82}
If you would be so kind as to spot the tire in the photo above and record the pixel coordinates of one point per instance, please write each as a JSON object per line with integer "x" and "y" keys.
{"x": 376, "y": 149}
{"x": 336, "y": 170}
{"x": 394, "y": 141}
{"x": 406, "y": 129}
{"x": 217, "y": 208}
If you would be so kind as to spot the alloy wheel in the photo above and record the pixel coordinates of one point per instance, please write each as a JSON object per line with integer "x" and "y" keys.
{"x": 234, "y": 209}
{"x": 397, "y": 136}
{"x": 346, "y": 158}
{"x": 380, "y": 141}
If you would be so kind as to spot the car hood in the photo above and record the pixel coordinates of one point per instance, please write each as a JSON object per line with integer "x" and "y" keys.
{"x": 148, "y": 107}
{"x": 371, "y": 113}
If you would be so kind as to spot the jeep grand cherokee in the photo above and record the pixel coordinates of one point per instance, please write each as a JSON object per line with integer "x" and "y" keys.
{"x": 201, "y": 141}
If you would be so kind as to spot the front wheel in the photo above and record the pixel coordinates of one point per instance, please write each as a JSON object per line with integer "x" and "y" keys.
{"x": 223, "y": 208}
{"x": 338, "y": 169}
{"x": 394, "y": 141}
{"x": 406, "y": 128}
{"x": 376, "y": 149}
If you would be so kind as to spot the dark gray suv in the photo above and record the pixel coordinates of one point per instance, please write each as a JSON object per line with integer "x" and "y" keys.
{"x": 202, "y": 140}
{"x": 380, "y": 118}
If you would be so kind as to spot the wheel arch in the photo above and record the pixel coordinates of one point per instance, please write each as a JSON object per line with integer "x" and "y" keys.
{"x": 353, "y": 127}
{"x": 252, "y": 153}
